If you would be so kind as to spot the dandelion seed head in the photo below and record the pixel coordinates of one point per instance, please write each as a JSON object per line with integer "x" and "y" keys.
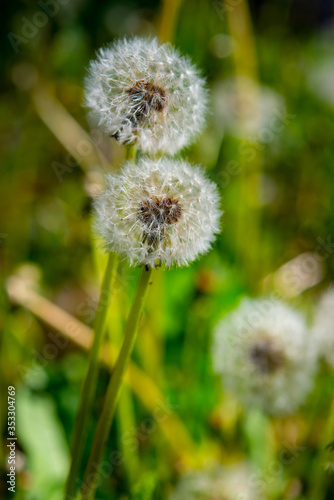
{"x": 216, "y": 482}
{"x": 141, "y": 92}
{"x": 255, "y": 105}
{"x": 161, "y": 210}
{"x": 265, "y": 355}
{"x": 323, "y": 326}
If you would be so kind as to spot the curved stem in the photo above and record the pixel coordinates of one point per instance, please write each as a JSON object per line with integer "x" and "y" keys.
{"x": 91, "y": 477}
{"x": 89, "y": 385}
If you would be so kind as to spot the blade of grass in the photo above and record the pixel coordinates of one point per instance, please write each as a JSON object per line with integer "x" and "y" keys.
{"x": 67, "y": 130}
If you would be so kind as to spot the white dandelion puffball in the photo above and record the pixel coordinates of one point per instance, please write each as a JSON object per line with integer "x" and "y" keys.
{"x": 158, "y": 211}
{"x": 234, "y": 482}
{"x": 249, "y": 111}
{"x": 266, "y": 355}
{"x": 323, "y": 326}
{"x": 141, "y": 92}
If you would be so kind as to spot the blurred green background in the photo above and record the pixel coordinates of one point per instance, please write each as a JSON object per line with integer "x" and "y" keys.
{"x": 269, "y": 145}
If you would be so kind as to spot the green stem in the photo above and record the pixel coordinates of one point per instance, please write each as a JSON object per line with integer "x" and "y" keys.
{"x": 248, "y": 215}
{"x": 131, "y": 152}
{"x": 168, "y": 20}
{"x": 125, "y": 412}
{"x": 102, "y": 432}
{"x": 125, "y": 419}
{"x": 89, "y": 386}
{"x": 320, "y": 476}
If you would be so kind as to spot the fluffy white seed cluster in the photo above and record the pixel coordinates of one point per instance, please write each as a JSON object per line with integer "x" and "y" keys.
{"x": 252, "y": 112}
{"x": 141, "y": 92}
{"x": 219, "y": 483}
{"x": 323, "y": 326}
{"x": 158, "y": 211}
{"x": 266, "y": 355}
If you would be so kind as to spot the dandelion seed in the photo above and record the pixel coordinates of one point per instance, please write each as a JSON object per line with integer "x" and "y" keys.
{"x": 235, "y": 482}
{"x": 265, "y": 355}
{"x": 323, "y": 327}
{"x": 143, "y": 92}
{"x": 161, "y": 211}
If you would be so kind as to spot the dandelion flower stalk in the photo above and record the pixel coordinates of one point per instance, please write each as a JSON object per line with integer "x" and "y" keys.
{"x": 125, "y": 412}
{"x": 89, "y": 385}
{"x": 125, "y": 420}
{"x": 114, "y": 388}
{"x": 320, "y": 476}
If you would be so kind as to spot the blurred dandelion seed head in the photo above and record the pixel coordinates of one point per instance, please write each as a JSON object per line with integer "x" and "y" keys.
{"x": 247, "y": 110}
{"x": 323, "y": 326}
{"x": 266, "y": 355}
{"x": 141, "y": 92}
{"x": 159, "y": 210}
{"x": 232, "y": 482}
